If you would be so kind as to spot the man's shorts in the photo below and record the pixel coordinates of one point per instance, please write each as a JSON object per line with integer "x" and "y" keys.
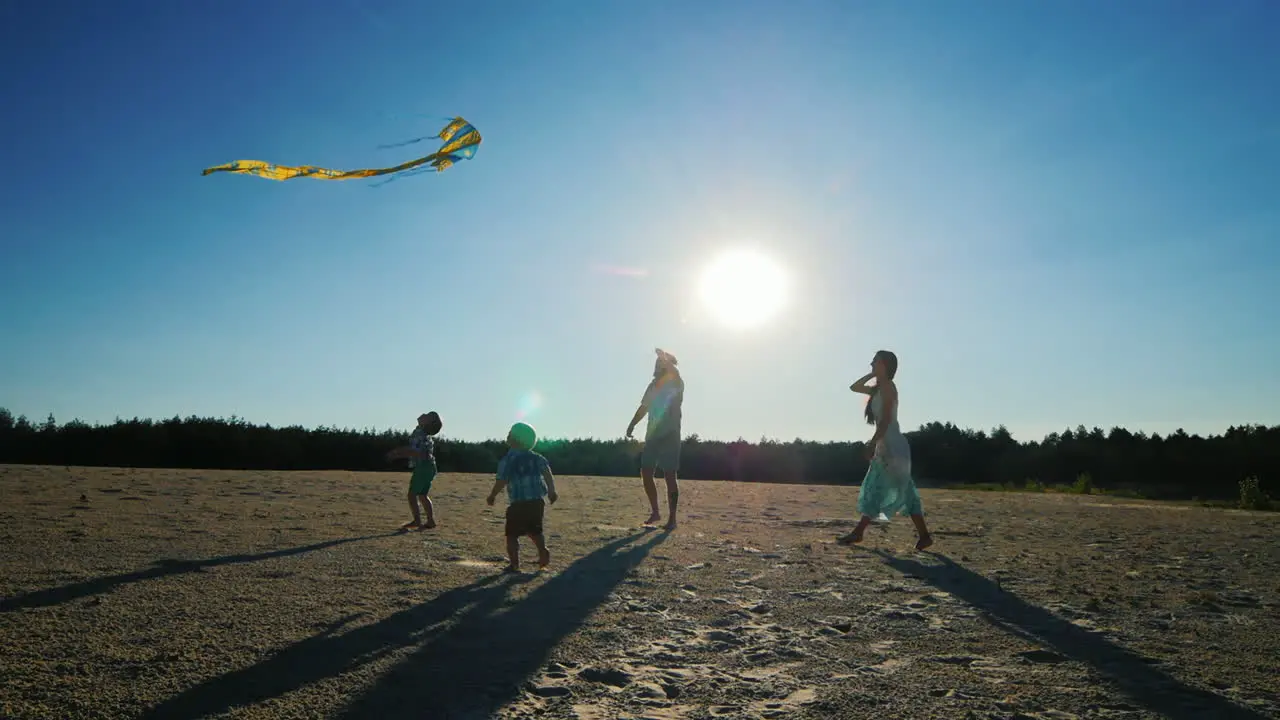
{"x": 525, "y": 517}
{"x": 420, "y": 481}
{"x": 661, "y": 452}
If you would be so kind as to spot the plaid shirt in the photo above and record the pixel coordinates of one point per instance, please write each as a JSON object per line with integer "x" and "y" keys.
{"x": 421, "y": 442}
{"x": 522, "y": 471}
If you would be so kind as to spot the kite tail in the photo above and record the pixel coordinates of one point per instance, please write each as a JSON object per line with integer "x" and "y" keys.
{"x": 406, "y": 142}
{"x": 460, "y": 140}
{"x": 453, "y": 123}
{"x": 407, "y": 173}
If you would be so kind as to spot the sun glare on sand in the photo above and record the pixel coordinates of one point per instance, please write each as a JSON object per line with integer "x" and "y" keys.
{"x": 743, "y": 289}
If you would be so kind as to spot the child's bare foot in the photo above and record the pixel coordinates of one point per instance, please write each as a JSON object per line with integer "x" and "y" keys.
{"x": 925, "y": 541}
{"x": 511, "y": 570}
{"x": 671, "y": 524}
{"x": 411, "y": 525}
{"x": 653, "y": 519}
{"x": 544, "y": 558}
{"x": 431, "y": 525}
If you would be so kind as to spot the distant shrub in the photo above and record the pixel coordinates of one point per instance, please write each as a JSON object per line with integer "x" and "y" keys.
{"x": 1251, "y": 495}
{"x": 1034, "y": 485}
{"x": 1083, "y": 484}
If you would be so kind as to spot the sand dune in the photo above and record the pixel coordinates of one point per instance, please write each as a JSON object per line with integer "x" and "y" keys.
{"x": 185, "y": 594}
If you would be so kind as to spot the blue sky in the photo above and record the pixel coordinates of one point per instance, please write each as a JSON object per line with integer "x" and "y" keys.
{"x": 1056, "y": 213}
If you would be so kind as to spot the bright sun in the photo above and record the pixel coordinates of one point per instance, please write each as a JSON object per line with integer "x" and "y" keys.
{"x": 743, "y": 289}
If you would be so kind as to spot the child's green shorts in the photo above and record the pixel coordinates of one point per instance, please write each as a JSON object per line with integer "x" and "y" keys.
{"x": 420, "y": 481}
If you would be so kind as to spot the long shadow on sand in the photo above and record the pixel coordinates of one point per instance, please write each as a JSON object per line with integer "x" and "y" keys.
{"x": 475, "y": 647}
{"x": 1128, "y": 671}
{"x": 479, "y": 666}
{"x": 162, "y": 568}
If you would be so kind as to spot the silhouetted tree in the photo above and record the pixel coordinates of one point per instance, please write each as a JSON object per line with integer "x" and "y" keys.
{"x": 1179, "y": 465}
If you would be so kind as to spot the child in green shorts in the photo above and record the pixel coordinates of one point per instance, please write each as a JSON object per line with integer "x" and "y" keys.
{"x": 422, "y": 460}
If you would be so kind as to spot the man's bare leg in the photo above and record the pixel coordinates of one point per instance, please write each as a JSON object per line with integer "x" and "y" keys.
{"x": 923, "y": 531}
{"x": 673, "y": 497}
{"x": 651, "y": 491}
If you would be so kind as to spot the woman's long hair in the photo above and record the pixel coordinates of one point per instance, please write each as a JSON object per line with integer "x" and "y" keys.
{"x": 890, "y": 368}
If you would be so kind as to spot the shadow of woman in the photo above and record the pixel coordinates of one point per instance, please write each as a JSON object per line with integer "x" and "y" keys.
{"x": 1129, "y": 671}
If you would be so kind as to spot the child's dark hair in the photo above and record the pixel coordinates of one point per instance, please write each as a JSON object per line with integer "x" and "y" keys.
{"x": 434, "y": 423}
{"x": 890, "y": 369}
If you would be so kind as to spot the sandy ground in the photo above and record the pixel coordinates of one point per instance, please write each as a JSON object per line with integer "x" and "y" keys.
{"x": 184, "y": 594}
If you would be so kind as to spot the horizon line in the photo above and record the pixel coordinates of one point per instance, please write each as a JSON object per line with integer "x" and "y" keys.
{"x": 697, "y": 437}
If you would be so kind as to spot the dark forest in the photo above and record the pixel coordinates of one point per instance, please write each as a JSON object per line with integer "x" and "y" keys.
{"x": 1176, "y": 466}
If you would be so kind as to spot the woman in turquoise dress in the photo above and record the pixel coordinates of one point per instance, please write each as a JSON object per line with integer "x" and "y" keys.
{"x": 888, "y": 487}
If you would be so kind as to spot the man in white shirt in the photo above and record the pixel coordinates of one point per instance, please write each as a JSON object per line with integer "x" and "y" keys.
{"x": 662, "y": 402}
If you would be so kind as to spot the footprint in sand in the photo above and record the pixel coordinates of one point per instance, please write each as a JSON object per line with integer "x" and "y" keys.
{"x": 600, "y": 712}
{"x": 886, "y": 667}
{"x": 787, "y": 705}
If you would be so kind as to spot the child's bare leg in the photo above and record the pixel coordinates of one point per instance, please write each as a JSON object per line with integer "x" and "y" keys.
{"x": 544, "y": 555}
{"x": 413, "y": 507}
{"x": 858, "y": 531}
{"x": 673, "y": 497}
{"x": 923, "y": 531}
{"x": 513, "y": 552}
{"x": 650, "y": 490}
{"x": 431, "y": 515}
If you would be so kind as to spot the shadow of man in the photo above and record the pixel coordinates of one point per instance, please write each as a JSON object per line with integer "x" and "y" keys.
{"x": 1130, "y": 672}
{"x": 161, "y": 568}
{"x": 481, "y": 663}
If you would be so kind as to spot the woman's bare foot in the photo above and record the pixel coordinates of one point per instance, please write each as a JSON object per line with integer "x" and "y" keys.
{"x": 431, "y": 525}
{"x": 511, "y": 570}
{"x": 925, "y": 541}
{"x": 654, "y": 519}
{"x": 411, "y": 525}
{"x": 852, "y": 538}
{"x": 544, "y": 558}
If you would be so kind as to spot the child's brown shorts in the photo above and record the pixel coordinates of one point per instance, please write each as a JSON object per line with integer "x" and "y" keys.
{"x": 525, "y": 517}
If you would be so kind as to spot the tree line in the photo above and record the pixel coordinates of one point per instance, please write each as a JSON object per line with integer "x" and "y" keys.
{"x": 1174, "y": 466}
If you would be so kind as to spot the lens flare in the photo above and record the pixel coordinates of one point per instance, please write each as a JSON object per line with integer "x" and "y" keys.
{"x": 528, "y": 405}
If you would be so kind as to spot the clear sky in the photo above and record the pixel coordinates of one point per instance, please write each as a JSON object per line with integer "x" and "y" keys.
{"x": 1055, "y": 212}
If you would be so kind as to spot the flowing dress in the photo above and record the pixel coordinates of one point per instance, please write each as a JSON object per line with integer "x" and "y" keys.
{"x": 888, "y": 487}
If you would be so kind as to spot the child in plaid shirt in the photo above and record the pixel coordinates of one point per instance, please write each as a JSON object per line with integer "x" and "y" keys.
{"x": 527, "y": 477}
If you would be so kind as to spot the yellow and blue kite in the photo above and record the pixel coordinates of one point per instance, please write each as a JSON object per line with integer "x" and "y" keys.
{"x": 460, "y": 140}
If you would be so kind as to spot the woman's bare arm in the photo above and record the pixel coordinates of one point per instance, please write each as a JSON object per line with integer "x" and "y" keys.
{"x": 860, "y": 385}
